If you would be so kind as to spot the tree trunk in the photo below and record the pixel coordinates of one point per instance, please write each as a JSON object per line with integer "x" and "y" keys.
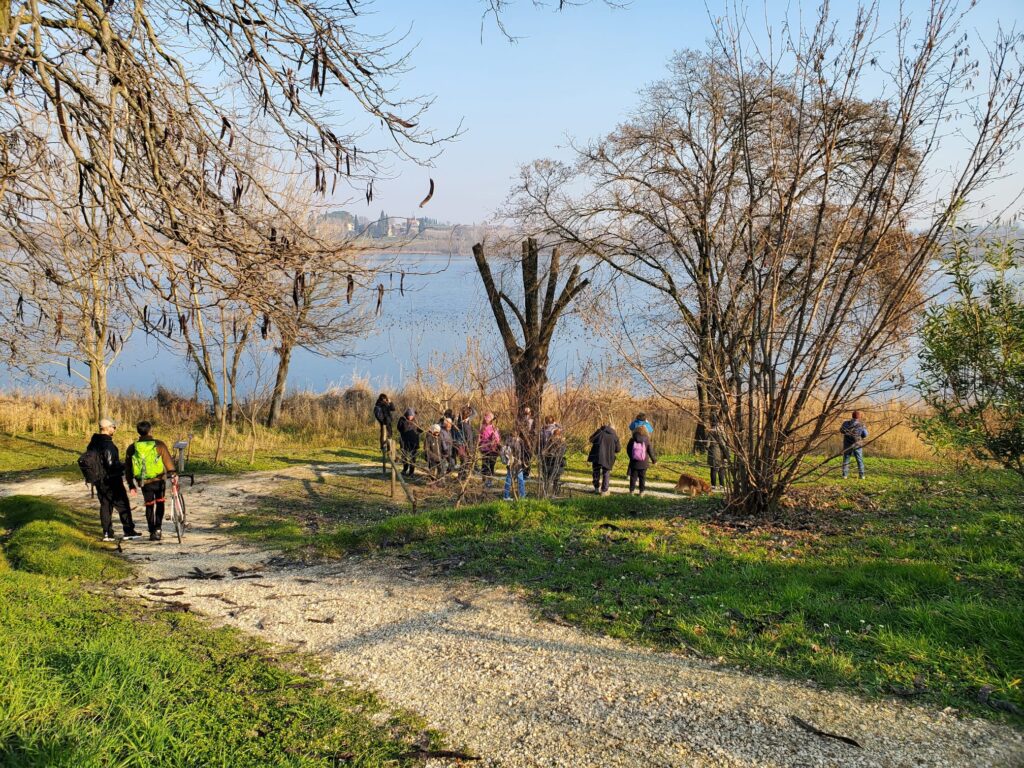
{"x": 94, "y": 391}
{"x": 101, "y": 392}
{"x": 284, "y": 359}
{"x": 222, "y": 422}
{"x": 700, "y": 432}
{"x": 236, "y": 359}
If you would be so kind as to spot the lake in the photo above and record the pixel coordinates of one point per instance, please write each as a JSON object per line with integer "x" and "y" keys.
{"x": 443, "y": 307}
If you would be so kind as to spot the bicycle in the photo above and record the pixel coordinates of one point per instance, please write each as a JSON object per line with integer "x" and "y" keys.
{"x": 178, "y": 504}
{"x": 177, "y": 500}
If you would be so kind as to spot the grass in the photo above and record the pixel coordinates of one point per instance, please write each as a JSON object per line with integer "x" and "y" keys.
{"x": 47, "y": 538}
{"x": 23, "y": 456}
{"x": 909, "y": 583}
{"x": 92, "y": 680}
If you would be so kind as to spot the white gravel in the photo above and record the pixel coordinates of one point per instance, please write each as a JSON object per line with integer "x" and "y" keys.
{"x": 478, "y": 665}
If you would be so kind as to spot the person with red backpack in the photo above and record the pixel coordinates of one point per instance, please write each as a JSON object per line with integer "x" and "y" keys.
{"x": 641, "y": 457}
{"x": 102, "y": 468}
{"x": 148, "y": 462}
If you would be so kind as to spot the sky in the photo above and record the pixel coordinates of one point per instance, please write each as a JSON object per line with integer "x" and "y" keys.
{"x": 570, "y": 75}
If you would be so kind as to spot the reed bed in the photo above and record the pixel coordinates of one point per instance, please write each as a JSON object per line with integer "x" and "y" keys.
{"x": 344, "y": 417}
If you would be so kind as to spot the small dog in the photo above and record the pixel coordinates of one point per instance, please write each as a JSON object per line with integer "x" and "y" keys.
{"x": 695, "y": 486}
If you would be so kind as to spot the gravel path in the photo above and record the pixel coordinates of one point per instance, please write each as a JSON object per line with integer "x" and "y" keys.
{"x": 474, "y": 661}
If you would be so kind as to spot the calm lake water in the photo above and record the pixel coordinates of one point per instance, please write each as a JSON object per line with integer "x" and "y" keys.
{"x": 443, "y": 309}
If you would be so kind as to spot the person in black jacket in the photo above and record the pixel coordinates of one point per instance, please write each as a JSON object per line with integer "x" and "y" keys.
{"x": 111, "y": 491}
{"x": 604, "y": 444}
{"x": 409, "y": 432}
{"x": 641, "y": 457}
{"x": 718, "y": 456}
{"x": 384, "y": 414}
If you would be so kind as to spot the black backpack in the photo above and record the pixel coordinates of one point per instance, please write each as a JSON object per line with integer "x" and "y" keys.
{"x": 91, "y": 464}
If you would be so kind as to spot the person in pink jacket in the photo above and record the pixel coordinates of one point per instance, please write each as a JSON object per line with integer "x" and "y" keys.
{"x": 490, "y": 448}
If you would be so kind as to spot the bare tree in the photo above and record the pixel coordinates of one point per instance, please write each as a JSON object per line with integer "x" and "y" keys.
{"x": 764, "y": 197}
{"x": 135, "y": 98}
{"x": 543, "y": 304}
{"x": 64, "y": 287}
{"x": 319, "y": 305}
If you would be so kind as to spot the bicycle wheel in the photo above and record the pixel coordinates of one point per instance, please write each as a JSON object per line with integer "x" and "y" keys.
{"x": 178, "y": 511}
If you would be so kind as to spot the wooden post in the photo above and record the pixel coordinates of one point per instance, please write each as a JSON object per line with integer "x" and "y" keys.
{"x": 394, "y": 474}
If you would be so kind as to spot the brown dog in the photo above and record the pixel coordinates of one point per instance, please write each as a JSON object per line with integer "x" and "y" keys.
{"x": 695, "y": 486}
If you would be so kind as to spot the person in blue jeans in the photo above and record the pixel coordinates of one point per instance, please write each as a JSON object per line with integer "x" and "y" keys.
{"x": 513, "y": 453}
{"x": 854, "y": 434}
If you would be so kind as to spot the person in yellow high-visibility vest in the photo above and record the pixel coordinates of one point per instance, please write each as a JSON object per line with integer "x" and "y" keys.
{"x": 147, "y": 462}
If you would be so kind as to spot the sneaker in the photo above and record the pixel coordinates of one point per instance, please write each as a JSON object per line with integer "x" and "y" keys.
{"x": 132, "y": 537}
{"x": 155, "y": 536}
{"x": 108, "y": 538}
{"x": 641, "y": 494}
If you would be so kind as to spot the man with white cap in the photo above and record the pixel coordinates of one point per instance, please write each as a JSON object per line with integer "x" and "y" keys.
{"x": 110, "y": 488}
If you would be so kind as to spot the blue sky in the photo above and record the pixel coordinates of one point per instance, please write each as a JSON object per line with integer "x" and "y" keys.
{"x": 571, "y": 74}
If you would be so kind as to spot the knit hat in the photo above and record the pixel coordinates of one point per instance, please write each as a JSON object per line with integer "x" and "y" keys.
{"x": 410, "y": 413}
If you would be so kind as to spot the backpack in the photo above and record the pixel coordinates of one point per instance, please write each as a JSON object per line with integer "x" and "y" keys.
{"x": 146, "y": 461}
{"x": 639, "y": 451}
{"x": 91, "y": 464}
{"x": 378, "y": 413}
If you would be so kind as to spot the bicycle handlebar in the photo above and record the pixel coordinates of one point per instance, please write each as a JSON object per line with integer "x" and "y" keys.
{"x": 191, "y": 477}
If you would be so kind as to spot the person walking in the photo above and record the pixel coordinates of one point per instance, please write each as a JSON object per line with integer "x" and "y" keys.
{"x": 106, "y": 474}
{"x": 552, "y": 453}
{"x": 147, "y": 463}
{"x": 854, "y": 434}
{"x": 525, "y": 425}
{"x": 384, "y": 413}
{"x": 513, "y": 453}
{"x": 432, "y": 451}
{"x": 464, "y": 441}
{"x": 641, "y": 456}
{"x": 604, "y": 445}
{"x": 718, "y": 456}
{"x": 490, "y": 447}
{"x": 409, "y": 434}
{"x": 641, "y": 421}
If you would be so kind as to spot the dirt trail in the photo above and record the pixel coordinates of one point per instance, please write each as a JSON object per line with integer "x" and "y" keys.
{"x": 474, "y": 661}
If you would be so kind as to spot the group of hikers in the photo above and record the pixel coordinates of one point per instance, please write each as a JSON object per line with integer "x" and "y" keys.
{"x": 146, "y": 466}
{"x": 453, "y": 443}
{"x": 451, "y": 446}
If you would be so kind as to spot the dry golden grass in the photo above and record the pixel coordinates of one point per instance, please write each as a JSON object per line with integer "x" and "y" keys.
{"x": 344, "y": 417}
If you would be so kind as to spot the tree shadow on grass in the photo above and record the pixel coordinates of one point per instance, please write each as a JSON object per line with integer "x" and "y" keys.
{"x": 16, "y": 511}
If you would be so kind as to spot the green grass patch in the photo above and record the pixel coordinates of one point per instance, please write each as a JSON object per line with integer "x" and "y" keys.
{"x": 47, "y": 538}
{"x": 34, "y": 455}
{"x": 27, "y": 455}
{"x": 92, "y": 680}
{"x": 910, "y": 582}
